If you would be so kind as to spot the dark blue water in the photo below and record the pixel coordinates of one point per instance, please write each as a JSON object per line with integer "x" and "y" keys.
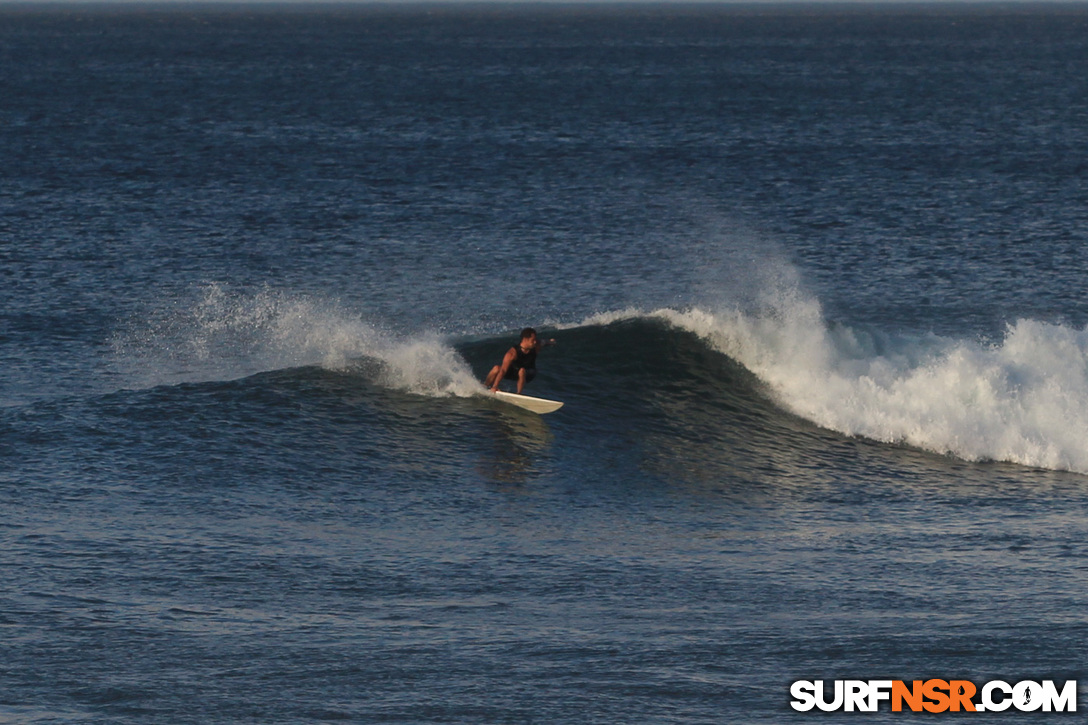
{"x": 816, "y": 276}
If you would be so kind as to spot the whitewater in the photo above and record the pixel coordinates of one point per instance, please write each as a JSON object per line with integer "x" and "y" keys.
{"x": 1023, "y": 399}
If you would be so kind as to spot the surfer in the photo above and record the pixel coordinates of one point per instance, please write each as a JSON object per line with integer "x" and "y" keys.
{"x": 519, "y": 363}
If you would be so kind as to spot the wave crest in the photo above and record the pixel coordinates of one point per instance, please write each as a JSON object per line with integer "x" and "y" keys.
{"x": 1022, "y": 400}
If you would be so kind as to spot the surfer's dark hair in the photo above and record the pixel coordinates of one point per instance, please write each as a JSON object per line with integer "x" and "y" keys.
{"x": 527, "y": 333}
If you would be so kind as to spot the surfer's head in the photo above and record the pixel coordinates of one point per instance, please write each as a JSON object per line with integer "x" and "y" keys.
{"x": 528, "y": 333}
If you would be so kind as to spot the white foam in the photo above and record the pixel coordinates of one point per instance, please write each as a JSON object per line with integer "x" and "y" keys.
{"x": 225, "y": 335}
{"x": 427, "y": 366}
{"x": 1023, "y": 399}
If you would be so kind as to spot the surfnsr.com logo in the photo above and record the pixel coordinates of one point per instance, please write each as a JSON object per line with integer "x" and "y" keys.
{"x": 933, "y": 696}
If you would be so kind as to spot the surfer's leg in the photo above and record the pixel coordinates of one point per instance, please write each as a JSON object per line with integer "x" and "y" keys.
{"x": 525, "y": 376}
{"x": 491, "y": 376}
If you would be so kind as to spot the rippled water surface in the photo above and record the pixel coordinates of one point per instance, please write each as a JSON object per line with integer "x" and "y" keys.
{"x": 816, "y": 281}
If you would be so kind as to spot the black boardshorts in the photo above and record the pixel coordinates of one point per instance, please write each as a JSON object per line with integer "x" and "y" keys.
{"x": 512, "y": 374}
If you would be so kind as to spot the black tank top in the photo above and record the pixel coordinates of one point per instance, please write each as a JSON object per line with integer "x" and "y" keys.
{"x": 525, "y": 360}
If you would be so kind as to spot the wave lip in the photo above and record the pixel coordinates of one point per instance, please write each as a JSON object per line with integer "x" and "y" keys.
{"x": 1021, "y": 400}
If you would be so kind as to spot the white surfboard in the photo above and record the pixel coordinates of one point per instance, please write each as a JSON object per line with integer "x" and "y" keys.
{"x": 537, "y": 405}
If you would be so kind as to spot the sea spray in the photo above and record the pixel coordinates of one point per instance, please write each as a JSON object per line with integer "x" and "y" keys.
{"x": 224, "y": 335}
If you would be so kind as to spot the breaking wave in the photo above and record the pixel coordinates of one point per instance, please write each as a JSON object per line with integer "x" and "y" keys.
{"x": 1020, "y": 399}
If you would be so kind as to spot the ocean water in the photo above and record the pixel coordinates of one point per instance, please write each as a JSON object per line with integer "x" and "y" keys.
{"x": 816, "y": 276}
